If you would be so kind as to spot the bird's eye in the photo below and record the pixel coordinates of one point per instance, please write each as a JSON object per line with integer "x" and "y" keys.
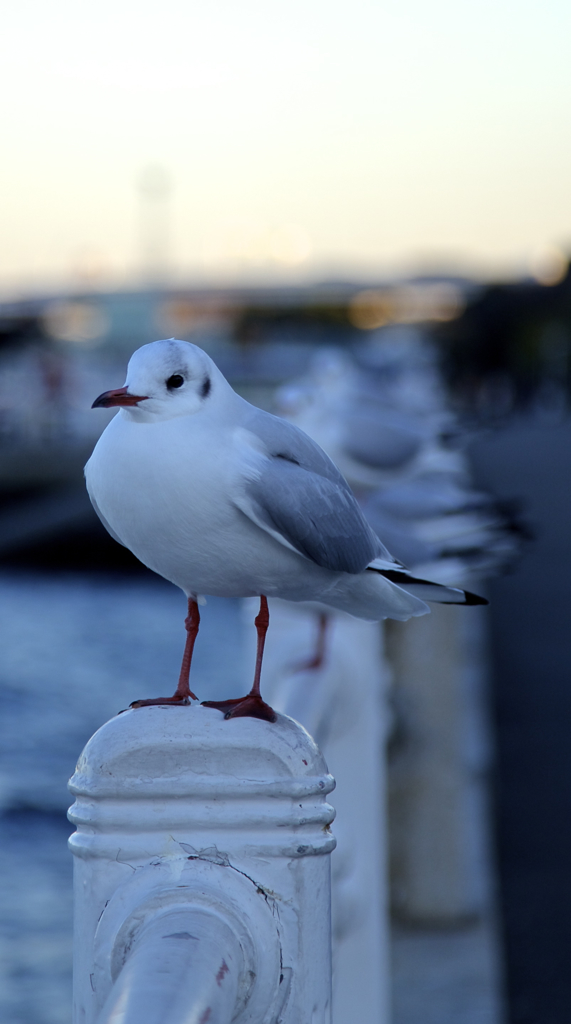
{"x": 176, "y": 381}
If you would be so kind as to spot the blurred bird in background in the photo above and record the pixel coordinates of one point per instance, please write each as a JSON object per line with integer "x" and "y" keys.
{"x": 382, "y": 414}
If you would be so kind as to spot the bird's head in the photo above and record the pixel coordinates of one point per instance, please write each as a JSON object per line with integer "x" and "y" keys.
{"x": 166, "y": 379}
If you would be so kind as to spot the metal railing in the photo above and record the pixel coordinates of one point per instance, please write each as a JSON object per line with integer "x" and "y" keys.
{"x": 202, "y": 881}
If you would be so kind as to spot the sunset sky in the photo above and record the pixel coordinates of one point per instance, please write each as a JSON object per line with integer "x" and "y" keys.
{"x": 301, "y": 138}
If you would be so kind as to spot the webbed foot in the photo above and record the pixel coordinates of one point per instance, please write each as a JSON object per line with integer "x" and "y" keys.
{"x": 151, "y": 701}
{"x": 251, "y": 706}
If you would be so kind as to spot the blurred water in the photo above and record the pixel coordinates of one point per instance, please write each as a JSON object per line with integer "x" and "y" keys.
{"x": 76, "y": 650}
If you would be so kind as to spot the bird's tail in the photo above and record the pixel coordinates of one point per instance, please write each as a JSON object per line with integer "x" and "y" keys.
{"x": 386, "y": 590}
{"x": 426, "y": 590}
{"x": 368, "y": 595}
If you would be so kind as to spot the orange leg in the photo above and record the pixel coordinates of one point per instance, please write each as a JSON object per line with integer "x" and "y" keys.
{"x": 252, "y": 705}
{"x": 183, "y": 693}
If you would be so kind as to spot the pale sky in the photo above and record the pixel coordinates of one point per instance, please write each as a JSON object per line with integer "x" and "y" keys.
{"x": 301, "y": 137}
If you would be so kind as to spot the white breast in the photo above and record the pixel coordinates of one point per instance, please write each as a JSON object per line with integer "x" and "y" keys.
{"x": 166, "y": 490}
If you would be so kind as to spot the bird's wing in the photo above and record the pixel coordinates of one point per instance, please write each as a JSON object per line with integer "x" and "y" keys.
{"x": 299, "y": 496}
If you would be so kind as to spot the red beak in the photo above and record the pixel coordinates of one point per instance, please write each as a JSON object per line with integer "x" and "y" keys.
{"x": 120, "y": 396}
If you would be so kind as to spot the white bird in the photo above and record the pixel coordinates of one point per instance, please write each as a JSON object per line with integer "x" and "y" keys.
{"x": 224, "y": 499}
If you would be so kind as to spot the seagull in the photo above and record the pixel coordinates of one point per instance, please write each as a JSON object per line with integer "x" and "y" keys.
{"x": 224, "y": 499}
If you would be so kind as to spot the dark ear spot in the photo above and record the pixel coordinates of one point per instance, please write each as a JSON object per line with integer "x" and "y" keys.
{"x": 205, "y": 387}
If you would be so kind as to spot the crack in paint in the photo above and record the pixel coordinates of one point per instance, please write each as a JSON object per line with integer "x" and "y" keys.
{"x": 214, "y": 856}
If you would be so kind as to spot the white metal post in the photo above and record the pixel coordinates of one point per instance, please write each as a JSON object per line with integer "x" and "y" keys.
{"x": 202, "y": 893}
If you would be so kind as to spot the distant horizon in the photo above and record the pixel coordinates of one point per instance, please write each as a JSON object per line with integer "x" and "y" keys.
{"x": 22, "y": 289}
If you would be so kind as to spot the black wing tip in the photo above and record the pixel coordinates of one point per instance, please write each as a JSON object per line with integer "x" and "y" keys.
{"x": 469, "y": 598}
{"x": 474, "y": 598}
{"x": 403, "y": 577}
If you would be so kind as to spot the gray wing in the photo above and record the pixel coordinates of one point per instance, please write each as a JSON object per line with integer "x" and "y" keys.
{"x": 300, "y": 496}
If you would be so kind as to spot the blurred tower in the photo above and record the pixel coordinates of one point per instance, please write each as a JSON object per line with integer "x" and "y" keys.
{"x": 154, "y": 186}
